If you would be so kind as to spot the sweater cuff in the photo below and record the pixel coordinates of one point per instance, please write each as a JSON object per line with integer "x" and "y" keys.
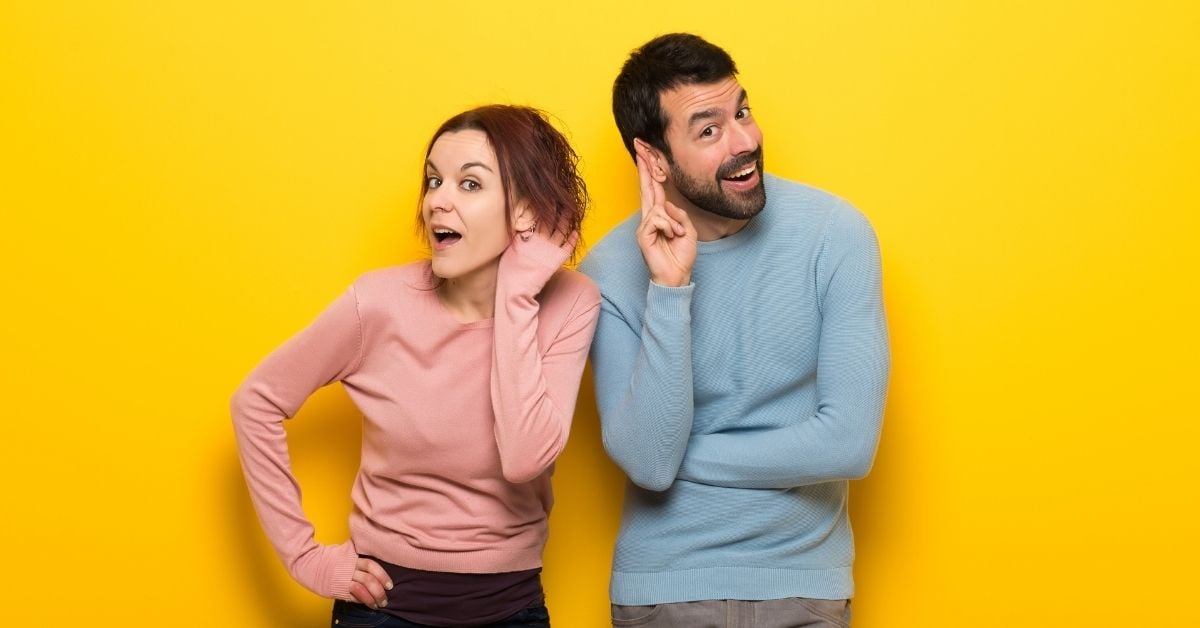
{"x": 539, "y": 252}
{"x": 674, "y": 303}
{"x": 343, "y": 560}
{"x": 526, "y": 266}
{"x": 544, "y": 251}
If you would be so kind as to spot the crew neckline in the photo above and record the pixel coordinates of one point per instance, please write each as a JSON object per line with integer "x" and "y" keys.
{"x": 747, "y": 232}
{"x": 444, "y": 313}
{"x": 705, "y": 247}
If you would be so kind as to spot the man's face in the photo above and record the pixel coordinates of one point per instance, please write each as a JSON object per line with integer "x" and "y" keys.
{"x": 715, "y": 146}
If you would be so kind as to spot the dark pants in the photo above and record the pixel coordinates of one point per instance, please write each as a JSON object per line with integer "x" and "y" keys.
{"x": 353, "y": 615}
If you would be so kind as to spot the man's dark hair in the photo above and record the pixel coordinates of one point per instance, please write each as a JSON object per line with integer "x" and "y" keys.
{"x": 663, "y": 63}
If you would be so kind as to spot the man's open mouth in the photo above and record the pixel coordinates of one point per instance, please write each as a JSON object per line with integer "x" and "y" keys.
{"x": 744, "y": 174}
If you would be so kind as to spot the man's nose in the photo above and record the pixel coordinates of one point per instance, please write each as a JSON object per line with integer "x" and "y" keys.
{"x": 743, "y": 139}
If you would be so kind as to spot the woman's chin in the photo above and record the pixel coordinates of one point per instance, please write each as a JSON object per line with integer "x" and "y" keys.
{"x": 460, "y": 268}
{"x": 442, "y": 270}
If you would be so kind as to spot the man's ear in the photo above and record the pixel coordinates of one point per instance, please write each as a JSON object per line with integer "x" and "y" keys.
{"x": 523, "y": 216}
{"x": 654, "y": 158}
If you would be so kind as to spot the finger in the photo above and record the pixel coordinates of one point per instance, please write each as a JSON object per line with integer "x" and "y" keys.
{"x": 673, "y": 227}
{"x": 362, "y": 595}
{"x": 644, "y": 180}
{"x": 654, "y": 192}
{"x": 678, "y": 227}
{"x": 642, "y": 149}
{"x": 660, "y": 196}
{"x": 375, "y": 569}
{"x": 572, "y": 240}
{"x": 373, "y": 586}
{"x": 658, "y": 225}
{"x": 570, "y": 235}
{"x": 681, "y": 217}
{"x": 545, "y": 229}
{"x": 649, "y": 212}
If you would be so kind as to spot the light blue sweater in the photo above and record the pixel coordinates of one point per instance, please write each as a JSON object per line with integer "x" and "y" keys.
{"x": 740, "y": 405}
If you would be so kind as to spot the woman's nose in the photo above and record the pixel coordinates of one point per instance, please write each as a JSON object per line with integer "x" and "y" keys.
{"x": 439, "y": 201}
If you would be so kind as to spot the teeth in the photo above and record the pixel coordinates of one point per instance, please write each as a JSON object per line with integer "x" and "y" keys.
{"x": 443, "y": 231}
{"x": 743, "y": 173}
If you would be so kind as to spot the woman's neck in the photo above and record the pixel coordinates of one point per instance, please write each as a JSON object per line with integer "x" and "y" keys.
{"x": 471, "y": 297}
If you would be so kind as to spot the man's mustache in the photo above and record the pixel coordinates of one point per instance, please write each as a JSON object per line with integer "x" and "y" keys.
{"x": 738, "y": 164}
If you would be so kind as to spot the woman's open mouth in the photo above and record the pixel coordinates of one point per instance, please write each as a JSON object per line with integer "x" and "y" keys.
{"x": 445, "y": 238}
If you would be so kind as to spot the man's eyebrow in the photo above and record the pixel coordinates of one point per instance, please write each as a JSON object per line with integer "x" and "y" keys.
{"x": 712, "y": 112}
{"x": 703, "y": 114}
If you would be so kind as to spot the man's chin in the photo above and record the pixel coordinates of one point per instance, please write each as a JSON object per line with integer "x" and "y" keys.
{"x": 745, "y": 205}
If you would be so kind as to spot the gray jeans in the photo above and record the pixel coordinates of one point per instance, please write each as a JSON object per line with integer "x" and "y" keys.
{"x": 793, "y": 612}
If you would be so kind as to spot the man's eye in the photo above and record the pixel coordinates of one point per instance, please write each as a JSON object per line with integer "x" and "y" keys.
{"x": 708, "y": 131}
{"x": 433, "y": 183}
{"x": 470, "y": 185}
{"x": 744, "y": 112}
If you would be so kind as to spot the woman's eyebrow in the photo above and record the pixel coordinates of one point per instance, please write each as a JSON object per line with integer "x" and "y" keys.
{"x": 471, "y": 164}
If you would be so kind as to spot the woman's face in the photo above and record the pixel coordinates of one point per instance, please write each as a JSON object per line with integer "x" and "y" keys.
{"x": 463, "y": 209}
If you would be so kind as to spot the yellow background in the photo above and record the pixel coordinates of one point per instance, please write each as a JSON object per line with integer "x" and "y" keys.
{"x": 185, "y": 185}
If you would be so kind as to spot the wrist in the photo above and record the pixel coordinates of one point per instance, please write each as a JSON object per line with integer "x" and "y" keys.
{"x": 539, "y": 251}
{"x": 676, "y": 281}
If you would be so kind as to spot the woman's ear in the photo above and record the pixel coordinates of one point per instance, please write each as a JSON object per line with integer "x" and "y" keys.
{"x": 523, "y": 216}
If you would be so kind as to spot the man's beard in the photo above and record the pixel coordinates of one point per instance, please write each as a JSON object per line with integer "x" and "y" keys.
{"x": 711, "y": 197}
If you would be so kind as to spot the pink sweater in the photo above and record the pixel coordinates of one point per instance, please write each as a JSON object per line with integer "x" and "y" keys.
{"x": 461, "y": 422}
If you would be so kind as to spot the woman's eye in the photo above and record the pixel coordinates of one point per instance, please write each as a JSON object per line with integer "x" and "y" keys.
{"x": 470, "y": 185}
{"x": 432, "y": 183}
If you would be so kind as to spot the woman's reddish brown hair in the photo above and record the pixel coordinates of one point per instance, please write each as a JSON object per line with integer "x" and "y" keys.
{"x": 537, "y": 164}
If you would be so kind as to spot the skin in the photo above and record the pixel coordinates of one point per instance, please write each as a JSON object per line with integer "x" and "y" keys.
{"x": 464, "y": 193}
{"x": 666, "y": 235}
{"x": 370, "y": 583}
{"x": 710, "y": 131}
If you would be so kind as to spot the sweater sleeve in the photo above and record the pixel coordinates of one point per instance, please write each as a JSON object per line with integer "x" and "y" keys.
{"x": 328, "y": 350}
{"x": 644, "y": 385}
{"x": 839, "y": 440}
{"x": 533, "y": 387}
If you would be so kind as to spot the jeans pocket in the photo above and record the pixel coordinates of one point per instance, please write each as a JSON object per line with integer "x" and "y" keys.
{"x": 354, "y": 615}
{"x": 837, "y": 612}
{"x": 633, "y": 615}
{"x": 534, "y": 616}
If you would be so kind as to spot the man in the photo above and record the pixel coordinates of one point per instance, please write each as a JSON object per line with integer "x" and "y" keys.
{"x": 740, "y": 360}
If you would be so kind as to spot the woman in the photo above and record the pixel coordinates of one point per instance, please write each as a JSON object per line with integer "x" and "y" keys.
{"x": 466, "y": 368}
